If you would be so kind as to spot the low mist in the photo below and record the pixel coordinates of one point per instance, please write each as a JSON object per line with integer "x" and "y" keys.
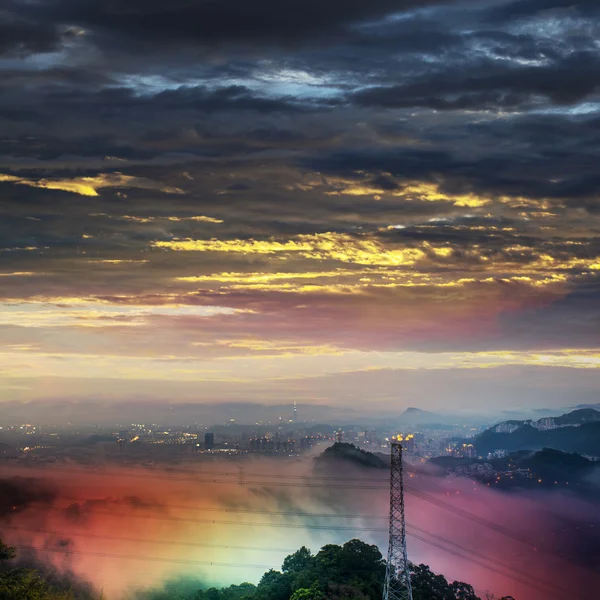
{"x": 122, "y": 531}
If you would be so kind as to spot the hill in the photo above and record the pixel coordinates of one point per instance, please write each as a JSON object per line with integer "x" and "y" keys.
{"x": 416, "y": 416}
{"x": 524, "y": 469}
{"x": 342, "y": 453}
{"x": 578, "y": 417}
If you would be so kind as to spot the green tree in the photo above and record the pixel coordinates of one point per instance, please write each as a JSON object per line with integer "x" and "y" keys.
{"x": 463, "y": 591}
{"x": 429, "y": 586}
{"x": 25, "y": 584}
{"x": 6, "y": 552}
{"x": 312, "y": 593}
{"x": 274, "y": 585}
{"x": 300, "y": 561}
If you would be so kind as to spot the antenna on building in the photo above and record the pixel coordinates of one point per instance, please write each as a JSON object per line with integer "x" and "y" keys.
{"x": 397, "y": 577}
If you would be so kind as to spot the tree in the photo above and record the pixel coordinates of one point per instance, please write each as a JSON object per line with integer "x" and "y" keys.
{"x": 463, "y": 591}
{"x": 274, "y": 585}
{"x": 299, "y": 561}
{"x": 429, "y": 586}
{"x": 312, "y": 593}
{"x": 6, "y": 552}
{"x": 25, "y": 584}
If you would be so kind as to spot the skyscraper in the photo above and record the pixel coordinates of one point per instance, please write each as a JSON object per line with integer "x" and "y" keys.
{"x": 209, "y": 441}
{"x": 295, "y": 417}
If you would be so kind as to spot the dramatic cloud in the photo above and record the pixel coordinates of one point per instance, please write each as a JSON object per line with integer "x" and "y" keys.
{"x": 227, "y": 193}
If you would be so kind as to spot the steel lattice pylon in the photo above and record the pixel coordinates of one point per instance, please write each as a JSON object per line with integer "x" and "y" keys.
{"x": 397, "y": 578}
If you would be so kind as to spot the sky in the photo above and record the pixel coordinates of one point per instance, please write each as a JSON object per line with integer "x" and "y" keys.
{"x": 364, "y": 204}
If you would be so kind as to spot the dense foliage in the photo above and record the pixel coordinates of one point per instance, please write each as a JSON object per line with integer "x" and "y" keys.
{"x": 25, "y": 584}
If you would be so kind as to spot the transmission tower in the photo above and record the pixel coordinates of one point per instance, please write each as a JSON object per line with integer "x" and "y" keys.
{"x": 397, "y": 577}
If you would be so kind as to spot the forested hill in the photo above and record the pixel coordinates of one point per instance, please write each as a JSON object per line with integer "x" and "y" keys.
{"x": 348, "y": 454}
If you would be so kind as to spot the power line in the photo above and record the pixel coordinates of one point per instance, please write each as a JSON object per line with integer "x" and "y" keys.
{"x": 420, "y": 530}
{"x": 237, "y": 547}
{"x": 142, "y": 558}
{"x": 212, "y": 481}
{"x": 190, "y": 475}
{"x": 534, "y": 581}
{"x": 421, "y": 495}
{"x": 481, "y": 556}
{"x": 149, "y": 541}
{"x": 223, "y": 522}
{"x": 531, "y": 584}
{"x": 488, "y": 567}
{"x": 248, "y": 511}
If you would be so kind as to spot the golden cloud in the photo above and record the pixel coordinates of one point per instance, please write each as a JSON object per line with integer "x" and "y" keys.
{"x": 360, "y": 250}
{"x": 198, "y": 218}
{"x": 88, "y": 186}
{"x": 258, "y": 278}
{"x": 413, "y": 190}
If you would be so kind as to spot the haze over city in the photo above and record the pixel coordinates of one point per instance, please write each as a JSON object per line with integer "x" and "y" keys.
{"x": 243, "y": 245}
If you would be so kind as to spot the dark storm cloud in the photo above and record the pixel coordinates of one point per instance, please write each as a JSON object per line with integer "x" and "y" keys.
{"x": 209, "y": 21}
{"x": 521, "y": 9}
{"x": 113, "y": 101}
{"x": 518, "y": 169}
{"x": 494, "y": 86}
{"x": 21, "y": 36}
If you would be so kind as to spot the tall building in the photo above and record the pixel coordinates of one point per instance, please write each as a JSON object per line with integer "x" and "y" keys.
{"x": 468, "y": 451}
{"x": 209, "y": 441}
{"x": 295, "y": 417}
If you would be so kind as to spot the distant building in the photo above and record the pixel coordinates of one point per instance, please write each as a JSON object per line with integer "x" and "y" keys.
{"x": 506, "y": 427}
{"x": 209, "y": 441}
{"x": 497, "y": 454}
{"x": 409, "y": 443}
{"x": 468, "y": 451}
{"x": 545, "y": 424}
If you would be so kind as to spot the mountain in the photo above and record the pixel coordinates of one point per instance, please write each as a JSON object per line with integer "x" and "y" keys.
{"x": 578, "y": 417}
{"x": 416, "y": 416}
{"x": 594, "y": 406}
{"x": 348, "y": 454}
{"x": 583, "y": 439}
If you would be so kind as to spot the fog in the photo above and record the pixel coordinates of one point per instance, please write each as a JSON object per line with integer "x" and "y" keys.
{"x": 123, "y": 531}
